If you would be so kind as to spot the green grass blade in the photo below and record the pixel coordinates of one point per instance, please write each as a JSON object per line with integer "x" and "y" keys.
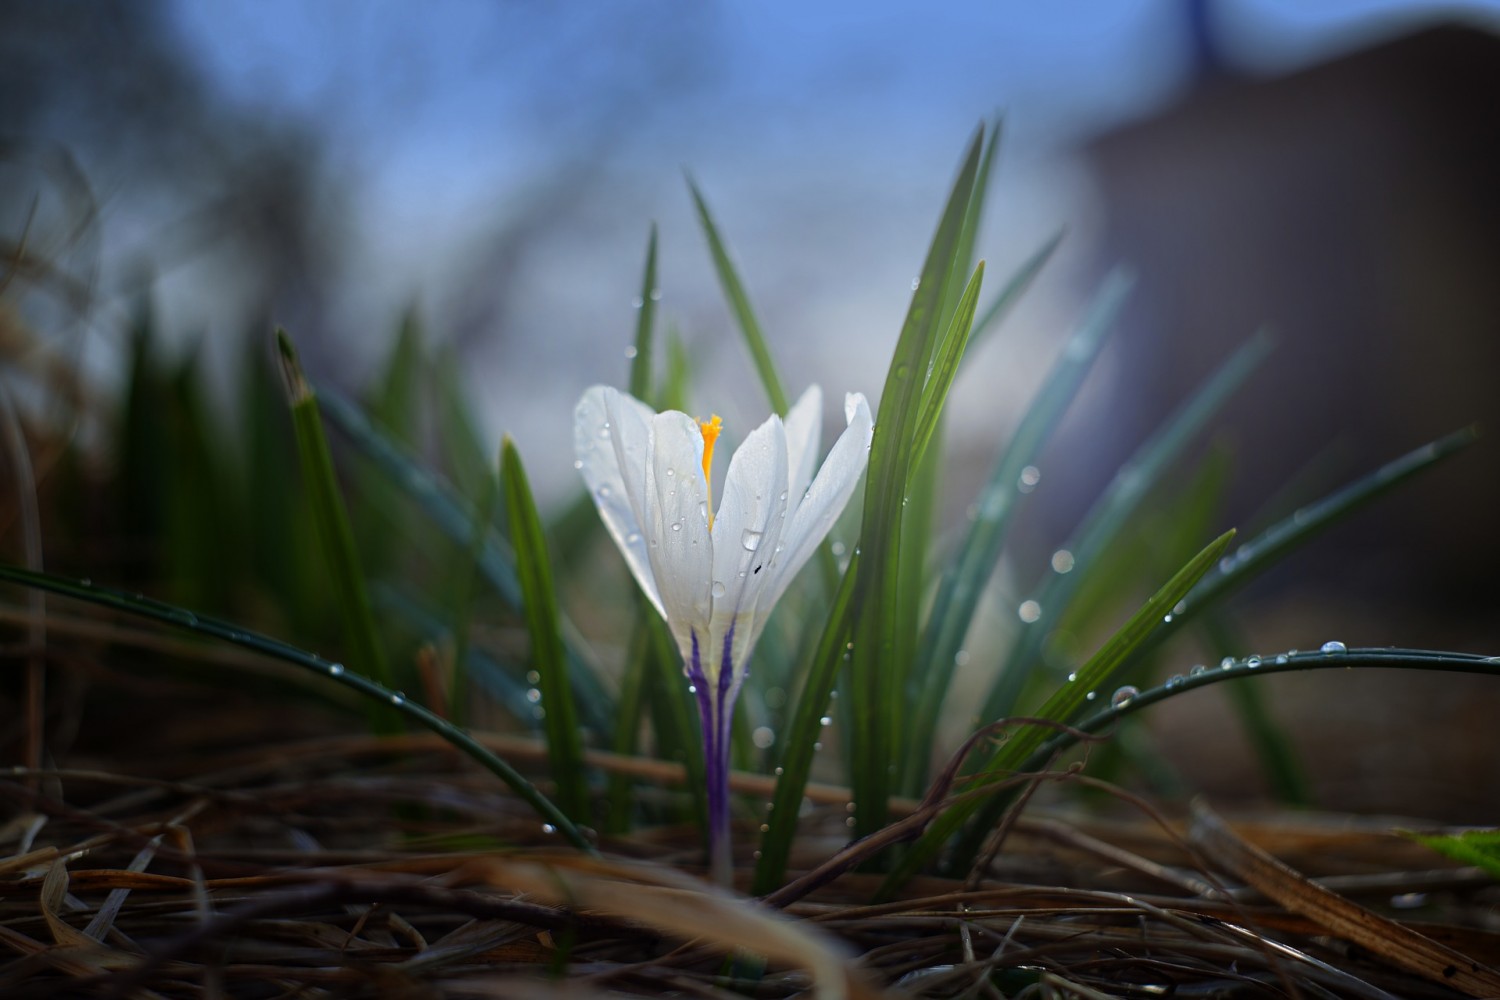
{"x": 645, "y": 323}
{"x": 739, "y": 305}
{"x": 945, "y": 365}
{"x": 1480, "y": 848}
{"x": 464, "y": 453}
{"x": 1110, "y": 513}
{"x": 979, "y": 550}
{"x": 367, "y": 688}
{"x": 635, "y": 681}
{"x": 454, "y": 517}
{"x": 882, "y": 611}
{"x": 465, "y": 580}
{"x": 795, "y": 756}
{"x": 1065, "y": 704}
{"x": 1286, "y": 535}
{"x": 360, "y": 633}
{"x": 534, "y": 567}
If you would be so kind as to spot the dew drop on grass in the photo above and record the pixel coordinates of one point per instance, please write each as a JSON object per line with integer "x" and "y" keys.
{"x": 398, "y": 698}
{"x": 1226, "y": 663}
{"x": 780, "y": 771}
{"x": 1333, "y": 648}
{"x": 630, "y": 352}
{"x": 1062, "y": 561}
{"x": 548, "y": 828}
{"x": 1282, "y": 658}
{"x": 1252, "y": 662}
{"x": 577, "y": 463}
{"x": 763, "y": 737}
{"x": 961, "y": 658}
{"x": 1091, "y": 696}
{"x": 826, "y": 720}
{"x": 1072, "y": 677}
{"x": 533, "y": 695}
{"x": 750, "y": 540}
{"x": 1198, "y": 670}
{"x": 336, "y": 669}
{"x": 1174, "y": 682}
{"x": 1123, "y": 696}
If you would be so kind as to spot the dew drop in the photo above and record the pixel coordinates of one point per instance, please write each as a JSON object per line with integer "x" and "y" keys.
{"x": 630, "y": 352}
{"x": 1029, "y": 611}
{"x": 1226, "y": 663}
{"x": 636, "y": 302}
{"x": 671, "y": 473}
{"x": 398, "y": 699}
{"x": 1123, "y": 696}
{"x": 1166, "y": 619}
{"x": 633, "y": 538}
{"x": 750, "y": 540}
{"x": 1072, "y": 677}
{"x": 1091, "y": 696}
{"x": 916, "y": 283}
{"x": 1174, "y": 682}
{"x": 577, "y": 463}
{"x": 1198, "y": 670}
{"x": 1283, "y": 658}
{"x": 1333, "y": 648}
{"x": 533, "y": 695}
{"x": 825, "y": 720}
{"x": 1030, "y": 476}
{"x": 1062, "y": 561}
{"x": 1252, "y": 662}
{"x": 603, "y": 492}
{"x": 336, "y": 669}
{"x": 780, "y": 771}
{"x": 676, "y": 525}
{"x": 548, "y": 828}
{"x": 717, "y": 589}
{"x": 604, "y": 433}
{"x": 838, "y": 548}
{"x": 763, "y": 737}
{"x": 961, "y": 658}
{"x": 533, "y": 677}
{"x": 656, "y": 295}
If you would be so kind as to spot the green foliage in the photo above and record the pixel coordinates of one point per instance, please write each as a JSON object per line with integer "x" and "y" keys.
{"x": 1480, "y": 848}
{"x": 391, "y": 539}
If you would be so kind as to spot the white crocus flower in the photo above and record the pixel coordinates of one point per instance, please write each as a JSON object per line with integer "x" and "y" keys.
{"x": 715, "y": 575}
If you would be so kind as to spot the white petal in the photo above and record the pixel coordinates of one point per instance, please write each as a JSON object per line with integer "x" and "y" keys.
{"x": 675, "y": 524}
{"x": 804, "y": 431}
{"x": 611, "y": 440}
{"x": 747, "y": 539}
{"x": 811, "y": 521}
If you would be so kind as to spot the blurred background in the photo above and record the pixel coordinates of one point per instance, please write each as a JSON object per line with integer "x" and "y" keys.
{"x": 1324, "y": 169}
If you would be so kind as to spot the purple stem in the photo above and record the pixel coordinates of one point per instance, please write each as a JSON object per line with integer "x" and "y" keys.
{"x": 715, "y": 709}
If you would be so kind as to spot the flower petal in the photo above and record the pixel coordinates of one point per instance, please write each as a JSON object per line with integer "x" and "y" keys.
{"x": 812, "y": 519}
{"x": 612, "y": 442}
{"x": 675, "y": 524}
{"x": 747, "y": 537}
{"x": 804, "y": 431}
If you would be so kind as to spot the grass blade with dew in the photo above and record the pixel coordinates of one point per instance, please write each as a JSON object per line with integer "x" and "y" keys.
{"x": 360, "y": 633}
{"x": 1265, "y": 549}
{"x": 549, "y": 660}
{"x": 739, "y": 304}
{"x": 454, "y": 517}
{"x": 1480, "y": 848}
{"x": 801, "y": 735}
{"x": 1065, "y": 704}
{"x": 1332, "y": 655}
{"x": 645, "y": 325}
{"x": 201, "y": 625}
{"x": 881, "y": 610}
{"x": 1110, "y": 513}
{"x": 978, "y": 552}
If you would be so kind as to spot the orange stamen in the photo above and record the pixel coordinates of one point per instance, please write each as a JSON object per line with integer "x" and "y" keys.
{"x": 710, "y": 429}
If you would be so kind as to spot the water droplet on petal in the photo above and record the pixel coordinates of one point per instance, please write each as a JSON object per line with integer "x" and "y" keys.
{"x": 676, "y": 525}
{"x": 1332, "y": 648}
{"x": 577, "y": 463}
{"x": 717, "y": 589}
{"x": 750, "y": 540}
{"x": 1123, "y": 696}
{"x": 603, "y": 493}
{"x": 633, "y": 538}
{"x": 671, "y": 473}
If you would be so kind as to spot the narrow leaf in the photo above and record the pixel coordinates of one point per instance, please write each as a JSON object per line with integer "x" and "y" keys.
{"x": 739, "y": 305}
{"x": 332, "y": 520}
{"x": 533, "y": 566}
{"x": 945, "y": 365}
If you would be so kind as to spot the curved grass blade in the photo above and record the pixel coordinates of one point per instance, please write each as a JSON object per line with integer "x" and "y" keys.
{"x": 360, "y": 633}
{"x": 882, "y": 612}
{"x": 1109, "y": 514}
{"x": 1065, "y": 704}
{"x": 1333, "y": 656}
{"x": 1276, "y": 541}
{"x": 1480, "y": 848}
{"x": 979, "y": 551}
{"x": 454, "y": 517}
{"x": 539, "y": 597}
{"x": 645, "y": 323}
{"x": 794, "y": 761}
{"x": 182, "y": 618}
{"x": 739, "y": 304}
